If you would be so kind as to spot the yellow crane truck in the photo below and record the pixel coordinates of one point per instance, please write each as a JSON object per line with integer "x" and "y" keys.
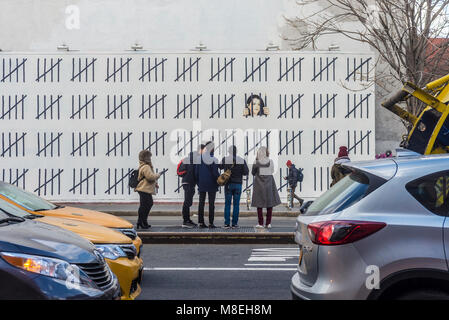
{"x": 430, "y": 131}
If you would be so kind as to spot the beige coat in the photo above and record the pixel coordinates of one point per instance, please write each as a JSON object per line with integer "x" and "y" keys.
{"x": 147, "y": 179}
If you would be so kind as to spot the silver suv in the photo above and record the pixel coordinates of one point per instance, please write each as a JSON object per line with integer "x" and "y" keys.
{"x": 380, "y": 233}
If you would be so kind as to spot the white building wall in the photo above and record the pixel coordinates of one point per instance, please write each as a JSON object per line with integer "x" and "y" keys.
{"x": 73, "y": 124}
{"x": 114, "y": 25}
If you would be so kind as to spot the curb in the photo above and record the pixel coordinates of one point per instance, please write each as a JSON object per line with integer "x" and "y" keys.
{"x": 217, "y": 237}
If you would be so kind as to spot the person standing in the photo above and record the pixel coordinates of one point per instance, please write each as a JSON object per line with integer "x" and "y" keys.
{"x": 233, "y": 189}
{"x": 186, "y": 170}
{"x": 206, "y": 174}
{"x": 265, "y": 193}
{"x": 292, "y": 179}
{"x": 146, "y": 188}
{"x": 338, "y": 172}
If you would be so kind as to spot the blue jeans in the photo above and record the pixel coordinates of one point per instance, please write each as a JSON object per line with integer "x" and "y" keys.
{"x": 232, "y": 193}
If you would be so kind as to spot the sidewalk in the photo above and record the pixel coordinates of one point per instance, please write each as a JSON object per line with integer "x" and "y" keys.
{"x": 174, "y": 209}
{"x": 168, "y": 230}
{"x": 166, "y": 221}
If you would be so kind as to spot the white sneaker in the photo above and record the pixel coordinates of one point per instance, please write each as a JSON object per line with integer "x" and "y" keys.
{"x": 259, "y": 226}
{"x": 269, "y": 226}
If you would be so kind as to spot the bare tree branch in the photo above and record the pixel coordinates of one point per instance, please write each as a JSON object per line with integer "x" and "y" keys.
{"x": 409, "y": 36}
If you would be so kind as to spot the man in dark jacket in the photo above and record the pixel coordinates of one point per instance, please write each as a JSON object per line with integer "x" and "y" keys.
{"x": 233, "y": 189}
{"x": 187, "y": 171}
{"x": 206, "y": 174}
{"x": 293, "y": 174}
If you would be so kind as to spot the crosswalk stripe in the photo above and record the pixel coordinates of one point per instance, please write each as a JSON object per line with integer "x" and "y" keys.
{"x": 270, "y": 264}
{"x": 268, "y": 259}
{"x": 273, "y": 254}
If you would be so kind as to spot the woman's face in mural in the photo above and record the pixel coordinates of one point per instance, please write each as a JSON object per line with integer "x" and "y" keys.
{"x": 254, "y": 106}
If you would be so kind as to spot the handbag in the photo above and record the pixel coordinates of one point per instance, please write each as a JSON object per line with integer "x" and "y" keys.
{"x": 225, "y": 176}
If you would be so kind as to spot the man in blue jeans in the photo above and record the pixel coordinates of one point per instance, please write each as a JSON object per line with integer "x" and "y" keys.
{"x": 233, "y": 189}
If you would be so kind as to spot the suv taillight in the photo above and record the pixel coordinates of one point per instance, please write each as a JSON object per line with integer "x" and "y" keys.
{"x": 331, "y": 233}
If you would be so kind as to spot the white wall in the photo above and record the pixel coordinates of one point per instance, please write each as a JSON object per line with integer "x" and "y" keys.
{"x": 60, "y": 133}
{"x": 114, "y": 25}
{"x": 110, "y": 25}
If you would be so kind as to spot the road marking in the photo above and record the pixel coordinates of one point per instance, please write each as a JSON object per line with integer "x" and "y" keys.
{"x": 275, "y": 249}
{"x": 273, "y": 254}
{"x": 276, "y": 255}
{"x": 218, "y": 269}
{"x": 268, "y": 259}
{"x": 270, "y": 264}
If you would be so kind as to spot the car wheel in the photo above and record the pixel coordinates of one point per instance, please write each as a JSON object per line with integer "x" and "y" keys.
{"x": 424, "y": 294}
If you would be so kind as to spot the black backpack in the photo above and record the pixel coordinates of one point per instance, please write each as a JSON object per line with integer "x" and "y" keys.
{"x": 133, "y": 180}
{"x": 300, "y": 175}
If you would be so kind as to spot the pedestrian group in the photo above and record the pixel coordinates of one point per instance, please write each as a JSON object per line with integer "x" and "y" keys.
{"x": 201, "y": 169}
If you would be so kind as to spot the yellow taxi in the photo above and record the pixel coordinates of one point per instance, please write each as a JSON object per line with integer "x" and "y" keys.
{"x": 36, "y": 205}
{"x": 117, "y": 249}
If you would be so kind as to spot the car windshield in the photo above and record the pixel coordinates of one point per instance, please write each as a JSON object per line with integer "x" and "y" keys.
{"x": 6, "y": 207}
{"x": 343, "y": 194}
{"x": 3, "y": 215}
{"x": 24, "y": 198}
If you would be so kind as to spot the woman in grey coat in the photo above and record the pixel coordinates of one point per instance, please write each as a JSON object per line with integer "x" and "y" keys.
{"x": 265, "y": 194}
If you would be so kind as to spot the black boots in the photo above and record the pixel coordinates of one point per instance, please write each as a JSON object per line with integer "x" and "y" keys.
{"x": 143, "y": 226}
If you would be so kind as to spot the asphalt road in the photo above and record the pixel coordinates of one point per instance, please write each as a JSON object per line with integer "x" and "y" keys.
{"x": 218, "y": 272}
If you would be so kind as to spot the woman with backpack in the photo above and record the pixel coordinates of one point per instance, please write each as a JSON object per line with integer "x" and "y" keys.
{"x": 146, "y": 188}
{"x": 186, "y": 170}
{"x": 294, "y": 176}
{"x": 265, "y": 193}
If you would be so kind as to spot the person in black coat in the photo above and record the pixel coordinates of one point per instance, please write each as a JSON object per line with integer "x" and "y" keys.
{"x": 233, "y": 189}
{"x": 187, "y": 171}
{"x": 206, "y": 175}
{"x": 293, "y": 178}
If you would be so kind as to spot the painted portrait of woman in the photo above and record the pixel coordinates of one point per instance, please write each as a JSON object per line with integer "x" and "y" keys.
{"x": 255, "y": 106}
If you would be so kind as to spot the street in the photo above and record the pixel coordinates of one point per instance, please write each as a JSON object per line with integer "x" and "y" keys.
{"x": 203, "y": 272}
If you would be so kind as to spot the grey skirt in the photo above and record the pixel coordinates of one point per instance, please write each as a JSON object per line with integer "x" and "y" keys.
{"x": 265, "y": 193}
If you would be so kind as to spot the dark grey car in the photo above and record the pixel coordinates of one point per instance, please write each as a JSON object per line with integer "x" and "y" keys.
{"x": 380, "y": 233}
{"x": 40, "y": 261}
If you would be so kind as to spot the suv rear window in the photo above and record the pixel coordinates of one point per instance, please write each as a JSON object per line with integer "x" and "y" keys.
{"x": 432, "y": 192}
{"x": 346, "y": 192}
